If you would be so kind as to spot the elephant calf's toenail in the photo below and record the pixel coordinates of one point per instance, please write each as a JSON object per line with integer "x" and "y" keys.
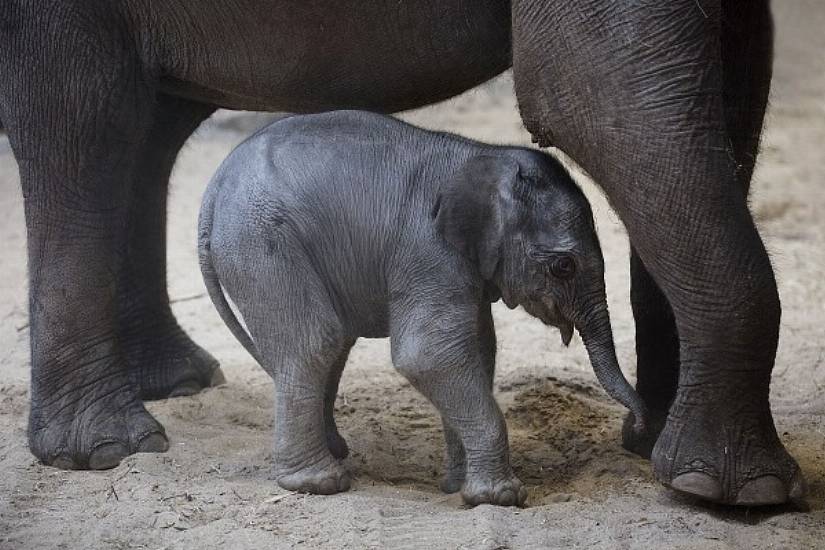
{"x": 328, "y": 486}
{"x": 450, "y": 485}
{"x": 699, "y": 485}
{"x": 507, "y": 498}
{"x": 64, "y": 463}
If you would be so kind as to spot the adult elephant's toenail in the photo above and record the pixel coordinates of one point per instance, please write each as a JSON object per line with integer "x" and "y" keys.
{"x": 344, "y": 482}
{"x": 475, "y": 499}
{"x": 186, "y": 388}
{"x": 107, "y": 456}
{"x": 153, "y": 443}
{"x": 218, "y": 378}
{"x": 699, "y": 485}
{"x": 762, "y": 491}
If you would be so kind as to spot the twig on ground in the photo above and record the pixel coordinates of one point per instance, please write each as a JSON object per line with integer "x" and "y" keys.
{"x": 278, "y": 498}
{"x": 187, "y": 298}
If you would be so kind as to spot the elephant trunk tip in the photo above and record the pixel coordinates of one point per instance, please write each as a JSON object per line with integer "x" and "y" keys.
{"x": 639, "y": 416}
{"x": 631, "y": 399}
{"x": 598, "y": 339}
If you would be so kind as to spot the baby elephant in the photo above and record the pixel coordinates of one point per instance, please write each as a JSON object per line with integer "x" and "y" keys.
{"x": 326, "y": 228}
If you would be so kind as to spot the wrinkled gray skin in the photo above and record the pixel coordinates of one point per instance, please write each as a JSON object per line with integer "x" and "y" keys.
{"x": 661, "y": 102}
{"x": 326, "y": 228}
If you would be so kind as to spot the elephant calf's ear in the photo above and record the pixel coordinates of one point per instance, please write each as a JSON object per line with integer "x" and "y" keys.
{"x": 469, "y": 212}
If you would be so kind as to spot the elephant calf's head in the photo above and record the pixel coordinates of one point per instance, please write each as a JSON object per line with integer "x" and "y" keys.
{"x": 518, "y": 216}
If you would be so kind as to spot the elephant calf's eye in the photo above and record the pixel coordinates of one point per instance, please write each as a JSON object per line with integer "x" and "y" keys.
{"x": 563, "y": 266}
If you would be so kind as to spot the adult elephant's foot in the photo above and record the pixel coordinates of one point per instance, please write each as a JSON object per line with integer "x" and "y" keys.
{"x": 165, "y": 362}
{"x": 642, "y": 442}
{"x": 506, "y": 491}
{"x": 729, "y": 456}
{"x": 93, "y": 426}
{"x": 326, "y": 477}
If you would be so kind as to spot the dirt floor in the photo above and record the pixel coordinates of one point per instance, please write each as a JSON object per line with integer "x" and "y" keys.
{"x": 211, "y": 490}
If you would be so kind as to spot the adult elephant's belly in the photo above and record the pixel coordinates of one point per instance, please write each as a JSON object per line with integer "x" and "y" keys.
{"x": 319, "y": 55}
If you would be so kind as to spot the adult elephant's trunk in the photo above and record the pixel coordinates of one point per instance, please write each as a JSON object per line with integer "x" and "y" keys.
{"x": 597, "y": 336}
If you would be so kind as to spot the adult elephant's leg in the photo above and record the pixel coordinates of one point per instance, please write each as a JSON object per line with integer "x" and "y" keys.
{"x": 747, "y": 64}
{"x": 635, "y": 94}
{"x": 657, "y": 356}
{"x": 163, "y": 360}
{"x": 747, "y": 55}
{"x": 76, "y": 116}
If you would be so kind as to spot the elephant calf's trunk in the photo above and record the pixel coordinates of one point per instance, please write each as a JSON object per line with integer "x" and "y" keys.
{"x": 597, "y": 336}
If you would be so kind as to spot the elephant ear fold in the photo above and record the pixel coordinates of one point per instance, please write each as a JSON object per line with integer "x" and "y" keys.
{"x": 470, "y": 210}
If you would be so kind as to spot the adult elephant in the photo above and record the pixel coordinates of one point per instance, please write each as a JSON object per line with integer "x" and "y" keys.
{"x": 661, "y": 102}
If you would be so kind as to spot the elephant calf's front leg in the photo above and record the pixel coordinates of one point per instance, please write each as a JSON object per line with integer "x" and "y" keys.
{"x": 448, "y": 368}
{"x": 455, "y": 459}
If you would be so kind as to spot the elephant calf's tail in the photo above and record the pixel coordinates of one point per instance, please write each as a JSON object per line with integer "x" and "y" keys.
{"x": 210, "y": 276}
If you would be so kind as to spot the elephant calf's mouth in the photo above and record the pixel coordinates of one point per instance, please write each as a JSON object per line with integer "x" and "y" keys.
{"x": 548, "y": 313}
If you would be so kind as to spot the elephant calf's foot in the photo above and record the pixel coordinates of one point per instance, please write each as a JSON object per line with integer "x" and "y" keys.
{"x": 502, "y": 492}
{"x": 642, "y": 443}
{"x": 731, "y": 458}
{"x": 451, "y": 482}
{"x": 325, "y": 478}
{"x": 97, "y": 432}
{"x": 454, "y": 475}
{"x": 170, "y": 365}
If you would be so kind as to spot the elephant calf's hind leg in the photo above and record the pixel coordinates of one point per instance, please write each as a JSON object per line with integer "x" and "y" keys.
{"x": 336, "y": 443}
{"x": 304, "y": 458}
{"x": 303, "y": 349}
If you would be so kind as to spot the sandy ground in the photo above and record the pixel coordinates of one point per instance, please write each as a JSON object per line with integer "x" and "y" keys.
{"x": 211, "y": 490}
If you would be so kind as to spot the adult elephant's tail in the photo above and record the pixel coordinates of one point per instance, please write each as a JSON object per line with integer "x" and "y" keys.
{"x": 210, "y": 276}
